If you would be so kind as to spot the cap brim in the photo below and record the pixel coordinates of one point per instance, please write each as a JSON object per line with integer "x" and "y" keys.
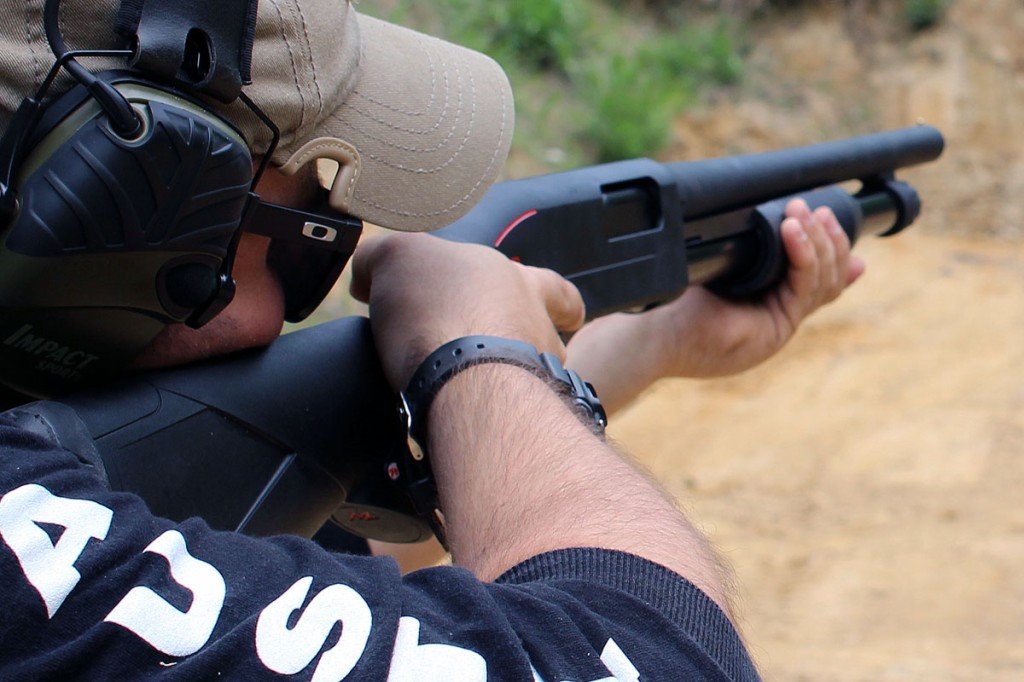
{"x": 432, "y": 123}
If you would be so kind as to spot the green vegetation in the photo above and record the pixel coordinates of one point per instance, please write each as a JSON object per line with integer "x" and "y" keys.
{"x": 595, "y": 80}
{"x": 633, "y": 95}
{"x": 923, "y": 14}
{"x": 537, "y": 34}
{"x": 601, "y": 80}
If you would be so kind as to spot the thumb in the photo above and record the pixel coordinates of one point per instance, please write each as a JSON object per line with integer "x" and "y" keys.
{"x": 857, "y": 268}
{"x": 367, "y": 257}
{"x": 562, "y": 299}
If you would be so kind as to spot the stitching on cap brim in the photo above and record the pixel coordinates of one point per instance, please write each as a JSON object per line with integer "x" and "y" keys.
{"x": 432, "y": 137}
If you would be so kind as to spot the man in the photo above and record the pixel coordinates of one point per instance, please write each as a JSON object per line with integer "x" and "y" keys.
{"x": 569, "y": 562}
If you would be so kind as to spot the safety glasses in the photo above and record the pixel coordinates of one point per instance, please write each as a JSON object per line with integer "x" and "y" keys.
{"x": 308, "y": 250}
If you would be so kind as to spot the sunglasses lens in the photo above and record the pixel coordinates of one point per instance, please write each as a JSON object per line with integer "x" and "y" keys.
{"x": 308, "y": 250}
{"x": 307, "y": 275}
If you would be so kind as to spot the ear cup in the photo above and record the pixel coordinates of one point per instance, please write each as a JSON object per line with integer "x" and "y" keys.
{"x": 114, "y": 239}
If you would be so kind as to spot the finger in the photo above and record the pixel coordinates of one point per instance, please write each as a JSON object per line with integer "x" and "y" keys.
{"x": 840, "y": 240}
{"x": 562, "y": 299}
{"x": 798, "y": 208}
{"x": 359, "y": 287}
{"x": 857, "y": 268}
{"x": 852, "y": 266}
{"x": 848, "y": 267}
{"x": 842, "y": 249}
{"x": 804, "y": 270}
{"x": 823, "y": 247}
{"x": 797, "y": 243}
{"x": 368, "y": 255}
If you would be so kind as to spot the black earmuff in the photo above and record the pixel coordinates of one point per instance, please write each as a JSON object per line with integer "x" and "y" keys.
{"x": 114, "y": 238}
{"x": 122, "y": 201}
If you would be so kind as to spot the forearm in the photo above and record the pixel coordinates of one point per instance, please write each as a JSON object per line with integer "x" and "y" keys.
{"x": 520, "y": 474}
{"x": 619, "y": 354}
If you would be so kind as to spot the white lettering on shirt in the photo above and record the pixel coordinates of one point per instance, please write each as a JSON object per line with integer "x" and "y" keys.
{"x": 164, "y": 627}
{"x": 618, "y": 664}
{"x": 415, "y": 662}
{"x": 288, "y": 650}
{"x": 50, "y": 567}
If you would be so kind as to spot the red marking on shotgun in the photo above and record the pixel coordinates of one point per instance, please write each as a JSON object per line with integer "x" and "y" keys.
{"x": 513, "y": 225}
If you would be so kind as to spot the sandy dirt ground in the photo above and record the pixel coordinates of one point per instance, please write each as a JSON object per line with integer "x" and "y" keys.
{"x": 866, "y": 484}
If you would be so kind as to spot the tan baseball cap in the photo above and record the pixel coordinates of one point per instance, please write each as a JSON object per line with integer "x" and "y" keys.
{"x": 420, "y": 127}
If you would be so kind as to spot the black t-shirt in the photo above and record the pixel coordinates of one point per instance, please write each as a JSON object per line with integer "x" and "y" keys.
{"x": 94, "y": 586}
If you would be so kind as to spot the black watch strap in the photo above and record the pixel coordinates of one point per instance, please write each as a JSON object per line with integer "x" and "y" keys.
{"x": 439, "y": 368}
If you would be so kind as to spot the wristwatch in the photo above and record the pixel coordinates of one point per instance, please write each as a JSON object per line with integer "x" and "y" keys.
{"x": 413, "y": 473}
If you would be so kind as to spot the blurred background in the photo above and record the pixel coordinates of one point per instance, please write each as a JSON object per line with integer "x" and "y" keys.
{"x": 866, "y": 484}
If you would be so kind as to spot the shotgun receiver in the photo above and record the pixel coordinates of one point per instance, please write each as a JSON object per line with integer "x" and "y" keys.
{"x": 285, "y": 439}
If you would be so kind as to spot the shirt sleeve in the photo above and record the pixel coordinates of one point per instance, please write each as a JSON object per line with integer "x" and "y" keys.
{"x": 95, "y": 586}
{"x": 644, "y": 621}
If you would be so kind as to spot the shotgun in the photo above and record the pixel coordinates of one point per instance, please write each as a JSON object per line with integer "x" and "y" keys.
{"x": 290, "y": 438}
